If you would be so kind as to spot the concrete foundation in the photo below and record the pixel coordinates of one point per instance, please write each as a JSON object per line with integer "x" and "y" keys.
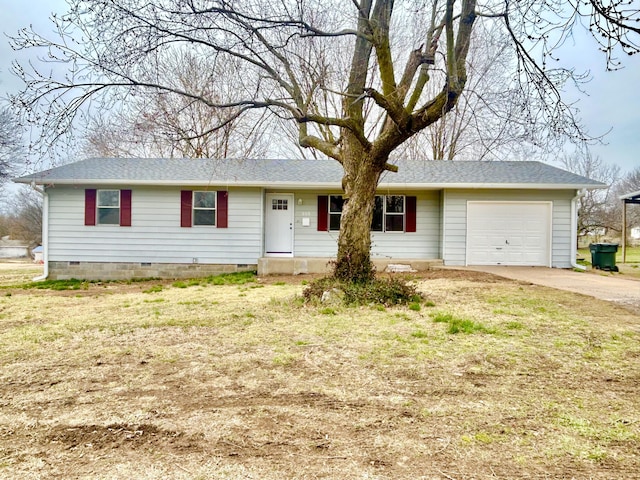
{"x": 265, "y": 266}
{"x": 300, "y": 265}
{"x": 132, "y": 270}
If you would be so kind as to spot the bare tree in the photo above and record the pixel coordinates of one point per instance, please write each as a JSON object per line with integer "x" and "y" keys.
{"x": 347, "y": 73}
{"x": 170, "y": 124}
{"x": 23, "y": 220}
{"x": 594, "y": 206}
{"x": 11, "y": 146}
{"x": 486, "y": 122}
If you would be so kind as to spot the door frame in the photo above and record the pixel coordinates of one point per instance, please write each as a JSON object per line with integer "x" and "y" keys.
{"x": 546, "y": 203}
{"x": 267, "y": 207}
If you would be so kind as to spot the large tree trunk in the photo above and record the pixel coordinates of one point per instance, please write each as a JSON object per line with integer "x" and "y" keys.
{"x": 354, "y": 242}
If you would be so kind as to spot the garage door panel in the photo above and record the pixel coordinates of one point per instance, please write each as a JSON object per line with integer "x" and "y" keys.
{"x": 508, "y": 233}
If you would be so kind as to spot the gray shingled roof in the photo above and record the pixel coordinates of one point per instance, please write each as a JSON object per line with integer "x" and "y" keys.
{"x": 304, "y": 173}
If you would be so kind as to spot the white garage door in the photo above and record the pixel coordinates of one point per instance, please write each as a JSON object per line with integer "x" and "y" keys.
{"x": 509, "y": 233}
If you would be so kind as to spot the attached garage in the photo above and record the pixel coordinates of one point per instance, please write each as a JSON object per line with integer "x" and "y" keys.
{"x": 509, "y": 233}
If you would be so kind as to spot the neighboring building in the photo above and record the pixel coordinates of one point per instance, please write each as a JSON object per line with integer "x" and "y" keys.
{"x": 13, "y": 248}
{"x": 123, "y": 218}
{"x": 38, "y": 254}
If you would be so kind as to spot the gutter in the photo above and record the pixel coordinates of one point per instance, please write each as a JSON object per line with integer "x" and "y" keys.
{"x": 304, "y": 185}
{"x": 45, "y": 232}
{"x": 574, "y": 229}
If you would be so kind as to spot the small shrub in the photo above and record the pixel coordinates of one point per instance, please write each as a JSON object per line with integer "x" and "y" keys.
{"x": 389, "y": 291}
{"x": 328, "y": 311}
{"x": 414, "y": 306}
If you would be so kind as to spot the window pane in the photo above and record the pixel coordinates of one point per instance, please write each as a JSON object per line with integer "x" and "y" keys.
{"x": 204, "y": 200}
{"x": 109, "y": 216}
{"x": 395, "y": 204}
{"x": 334, "y": 221}
{"x": 279, "y": 204}
{"x": 109, "y": 198}
{"x": 204, "y": 217}
{"x": 394, "y": 223}
{"x": 336, "y": 203}
{"x": 376, "y": 222}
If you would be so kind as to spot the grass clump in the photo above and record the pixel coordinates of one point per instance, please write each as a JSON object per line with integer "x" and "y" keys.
{"x": 388, "y": 291}
{"x": 236, "y": 278}
{"x": 460, "y": 325}
{"x": 153, "y": 289}
{"x": 72, "y": 284}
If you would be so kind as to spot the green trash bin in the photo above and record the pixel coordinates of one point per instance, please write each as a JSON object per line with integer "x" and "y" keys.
{"x": 603, "y": 256}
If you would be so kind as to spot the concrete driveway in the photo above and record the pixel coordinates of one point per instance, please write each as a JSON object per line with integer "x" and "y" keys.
{"x": 612, "y": 288}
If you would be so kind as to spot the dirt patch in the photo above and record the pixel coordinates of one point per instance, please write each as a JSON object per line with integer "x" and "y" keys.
{"x": 113, "y": 436}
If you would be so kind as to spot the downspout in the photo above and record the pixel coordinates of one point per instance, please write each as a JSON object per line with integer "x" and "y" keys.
{"x": 574, "y": 230}
{"x": 45, "y": 232}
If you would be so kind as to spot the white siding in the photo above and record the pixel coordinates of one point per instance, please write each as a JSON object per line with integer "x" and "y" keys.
{"x": 455, "y": 220}
{"x": 155, "y": 234}
{"x": 422, "y": 244}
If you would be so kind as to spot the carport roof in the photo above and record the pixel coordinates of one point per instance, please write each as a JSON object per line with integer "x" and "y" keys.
{"x": 306, "y": 173}
{"x": 633, "y": 197}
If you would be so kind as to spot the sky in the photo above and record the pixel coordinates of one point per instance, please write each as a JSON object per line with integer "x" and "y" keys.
{"x": 612, "y": 104}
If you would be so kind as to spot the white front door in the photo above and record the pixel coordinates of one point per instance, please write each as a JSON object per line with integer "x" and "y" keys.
{"x": 279, "y": 225}
{"x": 509, "y": 233}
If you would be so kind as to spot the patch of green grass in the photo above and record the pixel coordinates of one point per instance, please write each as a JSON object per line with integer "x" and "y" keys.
{"x": 72, "y": 284}
{"x": 153, "y": 289}
{"x": 328, "y": 311}
{"x": 460, "y": 325}
{"x": 236, "y": 278}
{"x": 514, "y": 325}
{"x": 419, "y": 334}
{"x": 414, "y": 306}
{"x": 280, "y": 284}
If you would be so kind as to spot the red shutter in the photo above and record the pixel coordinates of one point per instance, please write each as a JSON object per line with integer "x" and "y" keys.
{"x": 410, "y": 221}
{"x": 125, "y": 208}
{"x": 222, "y": 209}
{"x": 323, "y": 213}
{"x": 186, "y": 198}
{"x": 90, "y": 206}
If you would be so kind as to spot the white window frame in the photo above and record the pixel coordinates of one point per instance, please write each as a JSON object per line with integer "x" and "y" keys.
{"x": 335, "y": 213}
{"x": 384, "y": 214}
{"x": 100, "y": 207}
{"x": 213, "y": 209}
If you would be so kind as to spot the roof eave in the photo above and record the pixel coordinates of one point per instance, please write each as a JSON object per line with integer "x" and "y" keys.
{"x": 630, "y": 195}
{"x": 305, "y": 185}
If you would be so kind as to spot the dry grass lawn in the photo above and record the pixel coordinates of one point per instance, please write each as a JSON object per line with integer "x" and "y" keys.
{"x": 154, "y": 381}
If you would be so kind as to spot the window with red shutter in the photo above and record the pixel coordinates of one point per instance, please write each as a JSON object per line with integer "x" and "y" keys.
{"x": 323, "y": 213}
{"x": 125, "y": 208}
{"x": 186, "y": 198}
{"x": 90, "y": 206}
{"x": 223, "y": 209}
